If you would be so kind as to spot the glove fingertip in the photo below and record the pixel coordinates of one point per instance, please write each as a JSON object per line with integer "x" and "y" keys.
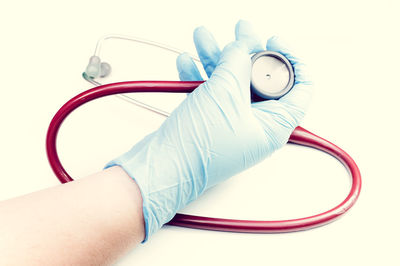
{"x": 243, "y": 27}
{"x": 187, "y": 69}
{"x": 201, "y": 34}
{"x": 199, "y": 30}
{"x": 245, "y": 33}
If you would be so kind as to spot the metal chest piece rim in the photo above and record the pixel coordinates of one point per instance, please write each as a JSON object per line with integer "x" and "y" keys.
{"x": 259, "y": 87}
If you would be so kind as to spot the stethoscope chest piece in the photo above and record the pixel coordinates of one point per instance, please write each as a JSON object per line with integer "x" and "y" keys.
{"x": 272, "y": 75}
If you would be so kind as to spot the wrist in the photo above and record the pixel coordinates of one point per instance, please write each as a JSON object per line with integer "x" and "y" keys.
{"x": 167, "y": 179}
{"x": 122, "y": 195}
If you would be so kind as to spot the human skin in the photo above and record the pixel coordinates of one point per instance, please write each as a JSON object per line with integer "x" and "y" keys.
{"x": 90, "y": 221}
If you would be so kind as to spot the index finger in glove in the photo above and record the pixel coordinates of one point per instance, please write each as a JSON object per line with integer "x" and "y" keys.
{"x": 207, "y": 49}
{"x": 232, "y": 72}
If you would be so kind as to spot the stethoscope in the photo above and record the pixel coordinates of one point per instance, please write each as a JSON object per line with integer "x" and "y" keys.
{"x": 272, "y": 77}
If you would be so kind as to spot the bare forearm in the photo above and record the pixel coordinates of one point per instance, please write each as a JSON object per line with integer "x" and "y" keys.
{"x": 91, "y": 221}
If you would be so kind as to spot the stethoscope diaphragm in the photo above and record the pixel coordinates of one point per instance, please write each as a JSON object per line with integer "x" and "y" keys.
{"x": 272, "y": 75}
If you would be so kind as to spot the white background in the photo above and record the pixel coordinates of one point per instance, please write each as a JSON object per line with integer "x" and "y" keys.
{"x": 351, "y": 48}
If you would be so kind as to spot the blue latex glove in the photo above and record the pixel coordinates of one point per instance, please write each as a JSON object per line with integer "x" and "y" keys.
{"x": 215, "y": 132}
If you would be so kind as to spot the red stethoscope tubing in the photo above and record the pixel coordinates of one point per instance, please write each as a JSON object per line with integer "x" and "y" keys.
{"x": 299, "y": 136}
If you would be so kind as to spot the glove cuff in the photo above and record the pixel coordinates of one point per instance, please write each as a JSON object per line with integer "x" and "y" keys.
{"x": 165, "y": 184}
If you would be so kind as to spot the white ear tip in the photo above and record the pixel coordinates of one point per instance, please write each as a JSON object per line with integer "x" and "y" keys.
{"x": 92, "y": 71}
{"x": 105, "y": 69}
{"x": 93, "y": 68}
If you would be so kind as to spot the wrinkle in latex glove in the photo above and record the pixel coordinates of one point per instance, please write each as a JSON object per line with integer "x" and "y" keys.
{"x": 215, "y": 132}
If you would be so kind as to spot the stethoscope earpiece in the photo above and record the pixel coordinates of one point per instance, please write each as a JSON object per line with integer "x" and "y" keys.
{"x": 96, "y": 68}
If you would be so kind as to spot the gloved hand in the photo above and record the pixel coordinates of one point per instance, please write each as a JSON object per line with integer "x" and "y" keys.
{"x": 215, "y": 132}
